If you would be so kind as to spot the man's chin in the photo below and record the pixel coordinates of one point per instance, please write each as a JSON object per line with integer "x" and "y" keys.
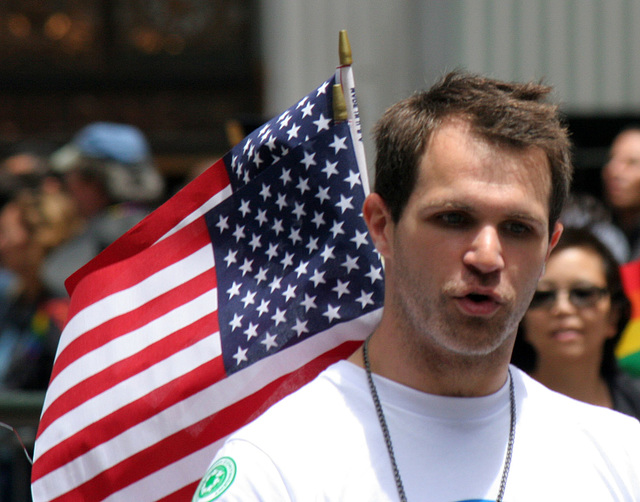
{"x": 475, "y": 346}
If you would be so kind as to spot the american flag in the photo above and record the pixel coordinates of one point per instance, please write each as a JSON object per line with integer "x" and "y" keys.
{"x": 234, "y": 293}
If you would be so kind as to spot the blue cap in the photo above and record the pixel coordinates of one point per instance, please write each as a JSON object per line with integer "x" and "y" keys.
{"x": 120, "y": 142}
{"x": 130, "y": 173}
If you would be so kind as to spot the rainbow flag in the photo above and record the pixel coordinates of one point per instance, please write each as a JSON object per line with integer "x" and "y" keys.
{"x": 628, "y": 348}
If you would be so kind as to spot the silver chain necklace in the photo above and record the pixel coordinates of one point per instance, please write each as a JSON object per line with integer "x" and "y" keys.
{"x": 387, "y": 435}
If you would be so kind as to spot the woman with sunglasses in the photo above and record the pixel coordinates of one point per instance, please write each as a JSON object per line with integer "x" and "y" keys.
{"x": 567, "y": 337}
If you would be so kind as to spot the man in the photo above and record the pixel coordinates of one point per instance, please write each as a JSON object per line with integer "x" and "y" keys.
{"x": 621, "y": 177}
{"x": 470, "y": 180}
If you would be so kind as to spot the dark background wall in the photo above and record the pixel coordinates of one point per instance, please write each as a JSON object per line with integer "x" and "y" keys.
{"x": 178, "y": 69}
{"x": 592, "y": 135}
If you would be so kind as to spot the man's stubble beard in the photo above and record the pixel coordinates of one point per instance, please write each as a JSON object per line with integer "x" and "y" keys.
{"x": 435, "y": 325}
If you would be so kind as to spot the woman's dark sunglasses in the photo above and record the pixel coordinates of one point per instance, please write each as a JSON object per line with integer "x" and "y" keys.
{"x": 580, "y": 297}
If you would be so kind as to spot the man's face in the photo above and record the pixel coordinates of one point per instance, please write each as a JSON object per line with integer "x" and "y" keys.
{"x": 621, "y": 175}
{"x": 465, "y": 257}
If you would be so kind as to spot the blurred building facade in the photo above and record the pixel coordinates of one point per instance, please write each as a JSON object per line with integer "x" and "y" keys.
{"x": 586, "y": 49}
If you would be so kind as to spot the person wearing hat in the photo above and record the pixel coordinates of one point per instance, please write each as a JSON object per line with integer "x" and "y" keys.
{"x": 108, "y": 170}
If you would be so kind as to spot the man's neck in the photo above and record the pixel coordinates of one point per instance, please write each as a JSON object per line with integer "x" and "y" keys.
{"x": 436, "y": 373}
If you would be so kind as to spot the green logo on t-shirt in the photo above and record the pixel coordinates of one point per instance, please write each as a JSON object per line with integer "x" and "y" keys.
{"x": 216, "y": 481}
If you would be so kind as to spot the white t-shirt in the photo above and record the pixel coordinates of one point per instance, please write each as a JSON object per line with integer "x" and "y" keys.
{"x": 324, "y": 442}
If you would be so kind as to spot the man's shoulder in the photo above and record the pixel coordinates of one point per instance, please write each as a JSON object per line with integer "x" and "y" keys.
{"x": 318, "y": 401}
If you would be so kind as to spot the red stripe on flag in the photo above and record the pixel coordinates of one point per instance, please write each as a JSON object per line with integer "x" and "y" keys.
{"x": 126, "y": 368}
{"x": 126, "y": 323}
{"x": 119, "y": 421}
{"x": 128, "y": 273}
{"x": 205, "y": 432}
{"x": 185, "y": 493}
{"x": 158, "y": 223}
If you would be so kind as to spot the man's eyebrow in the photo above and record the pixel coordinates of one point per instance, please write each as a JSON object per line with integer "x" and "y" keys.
{"x": 449, "y": 204}
{"x": 462, "y": 206}
{"x": 517, "y": 215}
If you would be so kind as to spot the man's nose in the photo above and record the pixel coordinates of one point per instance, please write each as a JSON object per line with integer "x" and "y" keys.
{"x": 485, "y": 251}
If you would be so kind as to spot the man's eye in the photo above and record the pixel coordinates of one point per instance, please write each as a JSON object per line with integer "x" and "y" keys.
{"x": 453, "y": 219}
{"x": 517, "y": 228}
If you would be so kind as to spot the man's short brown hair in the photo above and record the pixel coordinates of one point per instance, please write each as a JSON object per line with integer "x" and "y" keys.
{"x": 503, "y": 113}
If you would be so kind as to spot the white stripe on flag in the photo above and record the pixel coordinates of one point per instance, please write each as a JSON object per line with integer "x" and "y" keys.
{"x": 137, "y": 438}
{"x": 133, "y": 342}
{"x": 134, "y": 297}
{"x": 123, "y": 302}
{"x": 138, "y": 385}
{"x": 171, "y": 478}
{"x": 201, "y": 211}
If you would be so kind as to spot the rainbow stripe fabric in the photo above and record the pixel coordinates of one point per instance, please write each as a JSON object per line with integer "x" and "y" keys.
{"x": 628, "y": 349}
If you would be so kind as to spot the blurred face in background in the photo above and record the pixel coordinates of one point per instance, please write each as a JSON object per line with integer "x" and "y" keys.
{"x": 30, "y": 226}
{"x": 87, "y": 193}
{"x": 571, "y": 314}
{"x": 621, "y": 175}
{"x": 15, "y": 248}
{"x": 17, "y": 252}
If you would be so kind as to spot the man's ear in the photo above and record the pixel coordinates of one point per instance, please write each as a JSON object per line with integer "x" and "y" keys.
{"x": 378, "y": 220}
{"x": 555, "y": 237}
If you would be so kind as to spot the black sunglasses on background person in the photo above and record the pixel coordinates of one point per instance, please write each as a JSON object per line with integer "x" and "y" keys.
{"x": 579, "y": 296}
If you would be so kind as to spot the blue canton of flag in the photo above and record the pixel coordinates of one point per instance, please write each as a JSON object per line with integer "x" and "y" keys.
{"x": 292, "y": 252}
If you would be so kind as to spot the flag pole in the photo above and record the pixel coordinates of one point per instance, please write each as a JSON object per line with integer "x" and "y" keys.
{"x": 344, "y": 76}
{"x": 340, "y": 113}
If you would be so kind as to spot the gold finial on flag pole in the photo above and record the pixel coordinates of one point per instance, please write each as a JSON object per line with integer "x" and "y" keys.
{"x": 344, "y": 49}
{"x": 339, "y": 104}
